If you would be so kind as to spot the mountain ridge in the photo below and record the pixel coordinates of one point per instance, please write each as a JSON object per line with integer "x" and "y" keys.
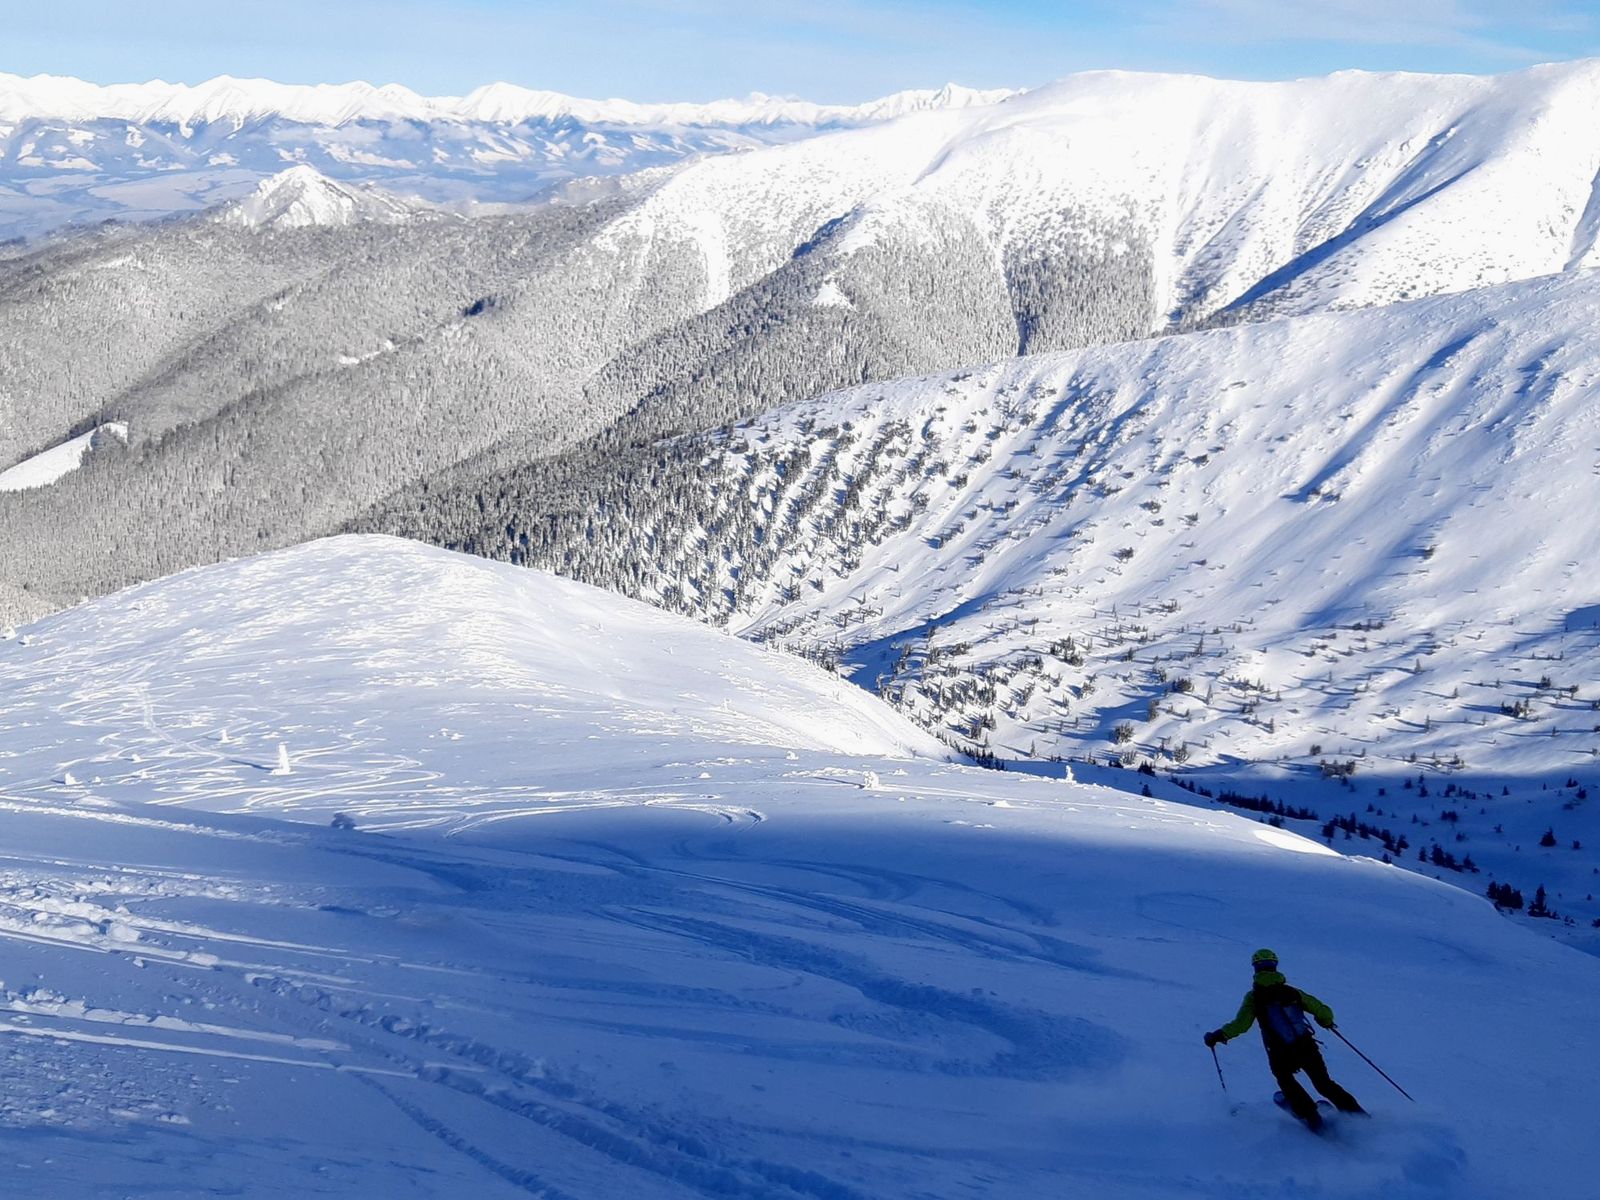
{"x": 227, "y": 98}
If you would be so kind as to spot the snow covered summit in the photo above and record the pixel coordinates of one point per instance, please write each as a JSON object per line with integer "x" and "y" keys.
{"x": 300, "y": 196}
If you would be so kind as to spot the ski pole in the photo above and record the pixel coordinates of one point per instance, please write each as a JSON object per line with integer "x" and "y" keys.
{"x": 1371, "y": 1064}
{"x": 1218, "y": 1062}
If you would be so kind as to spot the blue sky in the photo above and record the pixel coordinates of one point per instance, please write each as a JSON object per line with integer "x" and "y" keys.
{"x": 829, "y": 50}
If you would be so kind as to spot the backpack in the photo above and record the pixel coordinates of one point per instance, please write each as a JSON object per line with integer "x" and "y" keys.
{"x": 1282, "y": 1015}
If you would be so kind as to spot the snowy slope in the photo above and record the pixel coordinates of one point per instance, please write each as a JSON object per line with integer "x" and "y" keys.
{"x": 1419, "y": 469}
{"x": 48, "y": 466}
{"x": 73, "y": 152}
{"x": 1354, "y": 542}
{"x": 1350, "y": 190}
{"x": 692, "y": 956}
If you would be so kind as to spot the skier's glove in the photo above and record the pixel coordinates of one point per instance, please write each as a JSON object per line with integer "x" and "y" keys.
{"x": 1214, "y": 1037}
{"x": 1324, "y": 1024}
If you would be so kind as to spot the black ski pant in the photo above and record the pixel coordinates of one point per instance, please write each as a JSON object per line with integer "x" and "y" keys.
{"x": 1303, "y": 1055}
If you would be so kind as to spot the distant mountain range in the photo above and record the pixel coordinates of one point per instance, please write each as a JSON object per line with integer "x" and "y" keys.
{"x": 73, "y": 152}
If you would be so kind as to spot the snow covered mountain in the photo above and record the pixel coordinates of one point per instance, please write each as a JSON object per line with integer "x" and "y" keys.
{"x": 1325, "y": 555}
{"x": 299, "y": 196}
{"x": 73, "y": 152}
{"x": 631, "y": 907}
{"x": 1345, "y": 191}
{"x": 1402, "y": 474}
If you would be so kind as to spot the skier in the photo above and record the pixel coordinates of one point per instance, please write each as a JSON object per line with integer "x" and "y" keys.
{"x": 1291, "y": 1045}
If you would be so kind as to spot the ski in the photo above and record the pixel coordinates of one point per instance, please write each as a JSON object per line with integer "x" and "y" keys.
{"x": 1325, "y": 1111}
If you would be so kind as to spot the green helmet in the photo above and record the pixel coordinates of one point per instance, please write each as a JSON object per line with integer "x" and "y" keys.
{"x": 1264, "y": 960}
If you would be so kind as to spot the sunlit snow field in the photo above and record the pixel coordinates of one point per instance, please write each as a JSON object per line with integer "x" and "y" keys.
{"x": 634, "y": 909}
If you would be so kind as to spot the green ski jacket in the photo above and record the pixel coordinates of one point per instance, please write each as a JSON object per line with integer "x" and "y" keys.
{"x": 1247, "y": 1010}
